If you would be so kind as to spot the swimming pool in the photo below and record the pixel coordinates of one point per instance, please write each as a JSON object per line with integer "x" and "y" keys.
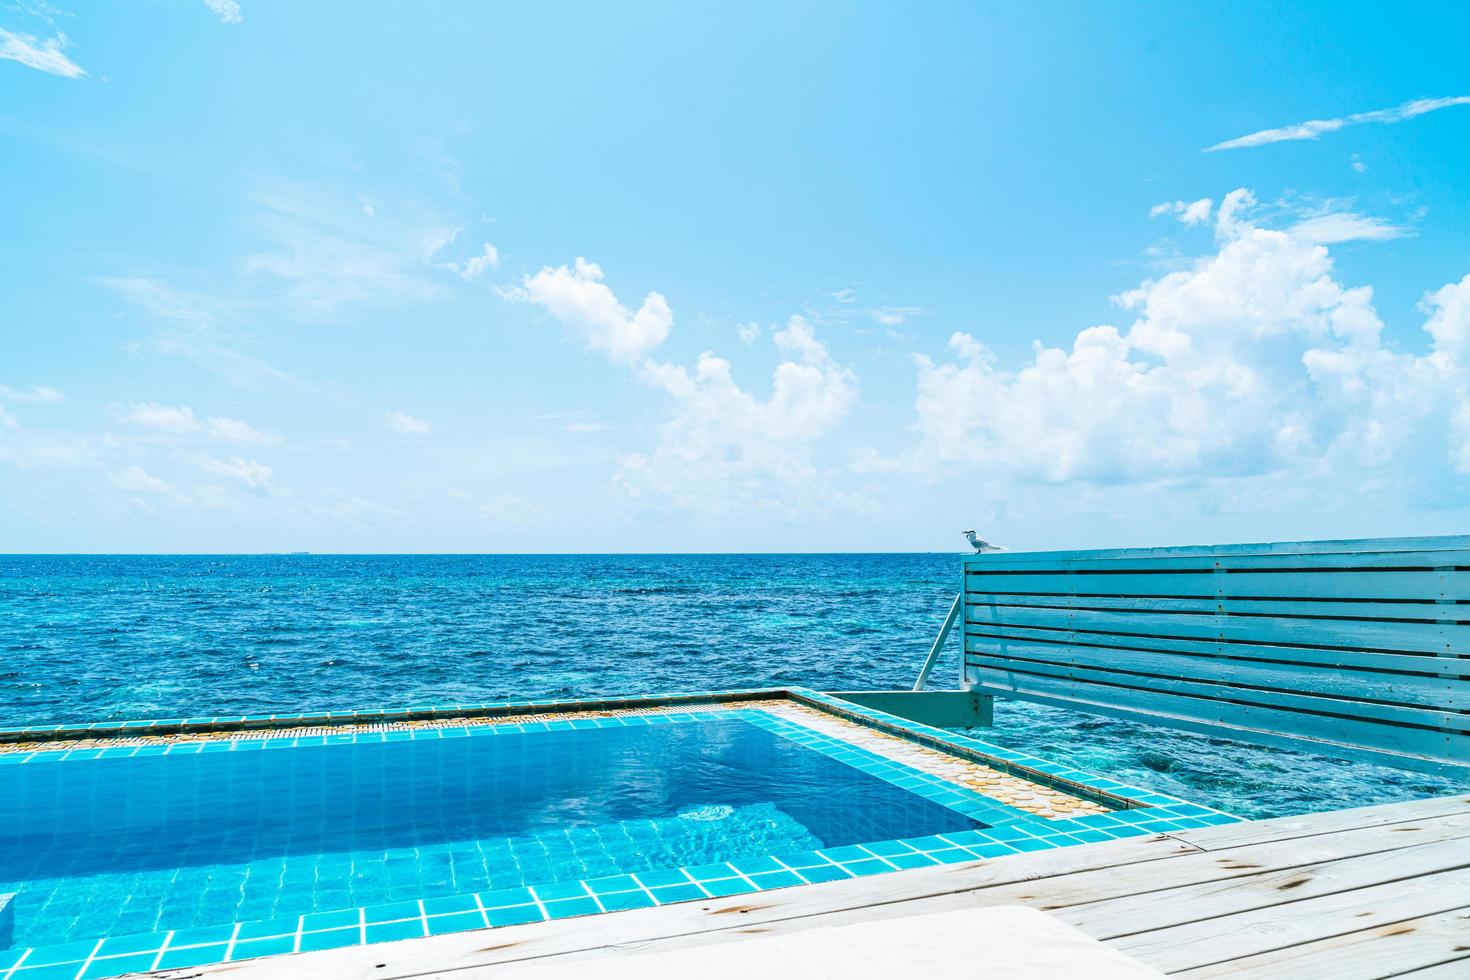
{"x": 164, "y": 854}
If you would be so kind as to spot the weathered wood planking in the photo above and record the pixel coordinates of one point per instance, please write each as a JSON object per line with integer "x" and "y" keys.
{"x": 1212, "y": 906}
{"x": 1351, "y": 647}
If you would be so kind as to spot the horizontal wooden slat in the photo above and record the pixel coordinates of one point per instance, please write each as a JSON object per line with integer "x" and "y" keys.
{"x": 1327, "y": 708}
{"x": 1317, "y": 732}
{"x": 1428, "y": 638}
{"x": 1414, "y": 586}
{"x": 1437, "y": 693}
{"x": 1348, "y": 610}
{"x": 1354, "y": 660}
{"x": 1352, "y": 546}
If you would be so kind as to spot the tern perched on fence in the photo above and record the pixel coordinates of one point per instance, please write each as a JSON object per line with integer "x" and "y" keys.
{"x": 980, "y": 544}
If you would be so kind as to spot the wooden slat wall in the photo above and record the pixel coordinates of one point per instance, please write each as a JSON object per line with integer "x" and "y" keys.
{"x": 1350, "y": 647}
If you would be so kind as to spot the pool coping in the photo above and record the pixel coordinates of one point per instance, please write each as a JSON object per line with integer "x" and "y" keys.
{"x": 1135, "y": 812}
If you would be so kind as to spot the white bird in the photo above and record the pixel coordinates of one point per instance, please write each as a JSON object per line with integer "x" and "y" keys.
{"x": 980, "y": 544}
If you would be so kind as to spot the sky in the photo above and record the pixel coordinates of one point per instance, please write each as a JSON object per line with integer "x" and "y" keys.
{"x": 475, "y": 277}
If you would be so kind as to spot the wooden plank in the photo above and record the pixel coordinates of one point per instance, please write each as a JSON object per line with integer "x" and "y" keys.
{"x": 1449, "y": 542}
{"x": 1452, "y": 556}
{"x": 1456, "y": 969}
{"x": 1435, "y": 947}
{"x": 1416, "y": 586}
{"x": 1397, "y": 663}
{"x": 1434, "y": 693}
{"x": 1436, "y": 639}
{"x": 1306, "y": 825}
{"x": 1262, "y": 930}
{"x": 1210, "y": 899}
{"x": 1236, "y": 606}
{"x": 1344, "y": 658}
{"x": 1237, "y": 708}
{"x": 1261, "y": 733}
{"x": 1337, "y": 716}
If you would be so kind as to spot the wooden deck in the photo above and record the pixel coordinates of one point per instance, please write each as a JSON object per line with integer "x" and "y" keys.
{"x": 1374, "y": 892}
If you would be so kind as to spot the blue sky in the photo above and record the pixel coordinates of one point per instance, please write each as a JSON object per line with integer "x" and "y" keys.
{"x": 337, "y": 277}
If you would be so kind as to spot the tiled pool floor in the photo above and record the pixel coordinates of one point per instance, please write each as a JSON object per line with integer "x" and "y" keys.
{"x": 191, "y": 915}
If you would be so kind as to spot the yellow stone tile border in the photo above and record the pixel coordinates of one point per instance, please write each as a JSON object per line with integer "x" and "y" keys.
{"x": 1016, "y": 791}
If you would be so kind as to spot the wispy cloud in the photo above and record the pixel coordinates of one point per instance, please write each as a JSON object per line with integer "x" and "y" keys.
{"x": 35, "y": 393}
{"x": 1313, "y": 128}
{"x": 408, "y": 425}
{"x": 41, "y": 55}
{"x": 226, "y": 10}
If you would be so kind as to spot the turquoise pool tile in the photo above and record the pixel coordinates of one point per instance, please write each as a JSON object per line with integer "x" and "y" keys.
{"x": 622, "y": 901}
{"x": 455, "y": 922}
{"x": 330, "y": 939}
{"x": 566, "y": 907}
{"x": 389, "y": 931}
{"x": 502, "y": 897}
{"x": 56, "y": 971}
{"x": 450, "y": 903}
{"x": 850, "y": 852}
{"x": 675, "y": 876}
{"x": 727, "y": 886}
{"x": 912, "y": 860}
{"x": 825, "y": 872}
{"x": 392, "y": 912}
{"x": 755, "y": 865}
{"x": 60, "y": 953}
{"x": 612, "y": 883}
{"x": 776, "y": 879}
{"x": 179, "y": 959}
{"x": 677, "y": 893}
{"x": 560, "y": 890}
{"x": 148, "y": 942}
{"x": 111, "y": 966}
{"x": 951, "y": 855}
{"x": 513, "y": 915}
{"x": 806, "y": 859}
{"x": 271, "y": 946}
{"x": 872, "y": 866}
{"x": 698, "y": 872}
{"x": 339, "y": 919}
{"x": 265, "y": 929}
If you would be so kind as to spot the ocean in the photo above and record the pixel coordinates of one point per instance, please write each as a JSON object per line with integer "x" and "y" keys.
{"x": 86, "y": 638}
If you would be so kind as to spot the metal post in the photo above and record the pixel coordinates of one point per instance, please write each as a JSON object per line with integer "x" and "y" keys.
{"x": 954, "y": 611}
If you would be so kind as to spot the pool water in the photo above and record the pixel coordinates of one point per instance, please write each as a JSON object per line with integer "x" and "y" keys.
{"x": 155, "y": 842}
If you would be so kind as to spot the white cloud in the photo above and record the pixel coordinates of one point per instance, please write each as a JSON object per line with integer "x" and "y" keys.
{"x": 583, "y": 303}
{"x": 893, "y": 316}
{"x": 35, "y": 393}
{"x": 329, "y": 255}
{"x": 233, "y": 430}
{"x": 1252, "y": 360}
{"x": 1189, "y": 213}
{"x": 725, "y": 447}
{"x": 749, "y": 333}
{"x": 180, "y": 420}
{"x": 135, "y": 479}
{"x": 8, "y": 421}
{"x": 476, "y": 266}
{"x": 584, "y": 427}
{"x": 227, "y": 11}
{"x": 403, "y": 422}
{"x": 164, "y": 418}
{"x": 44, "y": 56}
{"x": 1346, "y": 226}
{"x": 1313, "y": 128}
{"x": 254, "y": 475}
